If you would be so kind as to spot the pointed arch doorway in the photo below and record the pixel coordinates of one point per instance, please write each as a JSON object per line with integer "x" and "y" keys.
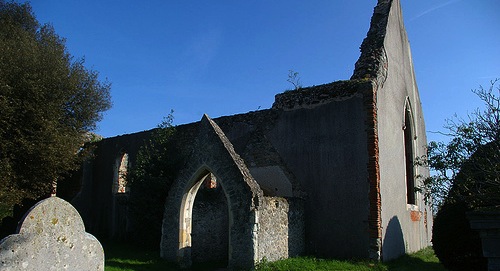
{"x": 213, "y": 153}
{"x": 204, "y": 223}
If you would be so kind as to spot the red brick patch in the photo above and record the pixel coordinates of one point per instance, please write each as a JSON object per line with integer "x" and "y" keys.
{"x": 415, "y": 215}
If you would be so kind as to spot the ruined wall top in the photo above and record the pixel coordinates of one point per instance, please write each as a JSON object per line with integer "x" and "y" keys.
{"x": 372, "y": 63}
{"x": 371, "y": 66}
{"x": 317, "y": 95}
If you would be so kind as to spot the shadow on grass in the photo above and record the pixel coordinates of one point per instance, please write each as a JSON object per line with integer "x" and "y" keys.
{"x": 113, "y": 265}
{"x": 422, "y": 260}
{"x": 125, "y": 257}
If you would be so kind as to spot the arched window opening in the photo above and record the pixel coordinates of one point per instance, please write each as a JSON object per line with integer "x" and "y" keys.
{"x": 409, "y": 157}
{"x": 120, "y": 178}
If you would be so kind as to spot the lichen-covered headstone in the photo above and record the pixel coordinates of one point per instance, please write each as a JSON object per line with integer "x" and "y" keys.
{"x": 51, "y": 237}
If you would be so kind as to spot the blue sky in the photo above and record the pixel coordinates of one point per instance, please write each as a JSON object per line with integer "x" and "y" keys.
{"x": 226, "y": 57}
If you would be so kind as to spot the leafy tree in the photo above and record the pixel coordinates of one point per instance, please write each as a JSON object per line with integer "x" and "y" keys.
{"x": 470, "y": 162}
{"x": 150, "y": 178}
{"x": 48, "y": 103}
{"x": 467, "y": 177}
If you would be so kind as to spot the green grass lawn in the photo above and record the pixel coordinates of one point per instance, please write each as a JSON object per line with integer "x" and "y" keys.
{"x": 305, "y": 263}
{"x": 422, "y": 260}
{"x": 124, "y": 257}
{"x": 128, "y": 258}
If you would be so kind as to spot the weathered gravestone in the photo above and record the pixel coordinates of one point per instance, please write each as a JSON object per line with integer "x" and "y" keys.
{"x": 51, "y": 236}
{"x": 487, "y": 222}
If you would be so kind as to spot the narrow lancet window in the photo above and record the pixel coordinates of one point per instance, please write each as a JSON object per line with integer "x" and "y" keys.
{"x": 120, "y": 182}
{"x": 409, "y": 157}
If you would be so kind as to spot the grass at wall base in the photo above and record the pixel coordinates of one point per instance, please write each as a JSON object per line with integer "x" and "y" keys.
{"x": 123, "y": 257}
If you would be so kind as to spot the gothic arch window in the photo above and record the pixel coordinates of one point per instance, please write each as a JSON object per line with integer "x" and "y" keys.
{"x": 409, "y": 136}
{"x": 120, "y": 174}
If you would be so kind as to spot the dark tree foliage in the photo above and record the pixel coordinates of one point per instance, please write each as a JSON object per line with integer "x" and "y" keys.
{"x": 479, "y": 182}
{"x": 457, "y": 246}
{"x": 150, "y": 178}
{"x": 48, "y": 104}
{"x": 467, "y": 177}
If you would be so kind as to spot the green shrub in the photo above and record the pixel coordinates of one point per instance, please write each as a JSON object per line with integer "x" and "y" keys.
{"x": 150, "y": 180}
{"x": 457, "y": 246}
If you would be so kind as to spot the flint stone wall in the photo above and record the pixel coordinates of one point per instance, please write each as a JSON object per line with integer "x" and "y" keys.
{"x": 210, "y": 232}
{"x": 281, "y": 228}
{"x": 51, "y": 236}
{"x": 214, "y": 153}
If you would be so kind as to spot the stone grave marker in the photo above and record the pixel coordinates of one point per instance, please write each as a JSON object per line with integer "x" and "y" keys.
{"x": 51, "y": 236}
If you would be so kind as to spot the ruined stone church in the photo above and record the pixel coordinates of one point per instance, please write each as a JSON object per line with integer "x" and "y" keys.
{"x": 327, "y": 171}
